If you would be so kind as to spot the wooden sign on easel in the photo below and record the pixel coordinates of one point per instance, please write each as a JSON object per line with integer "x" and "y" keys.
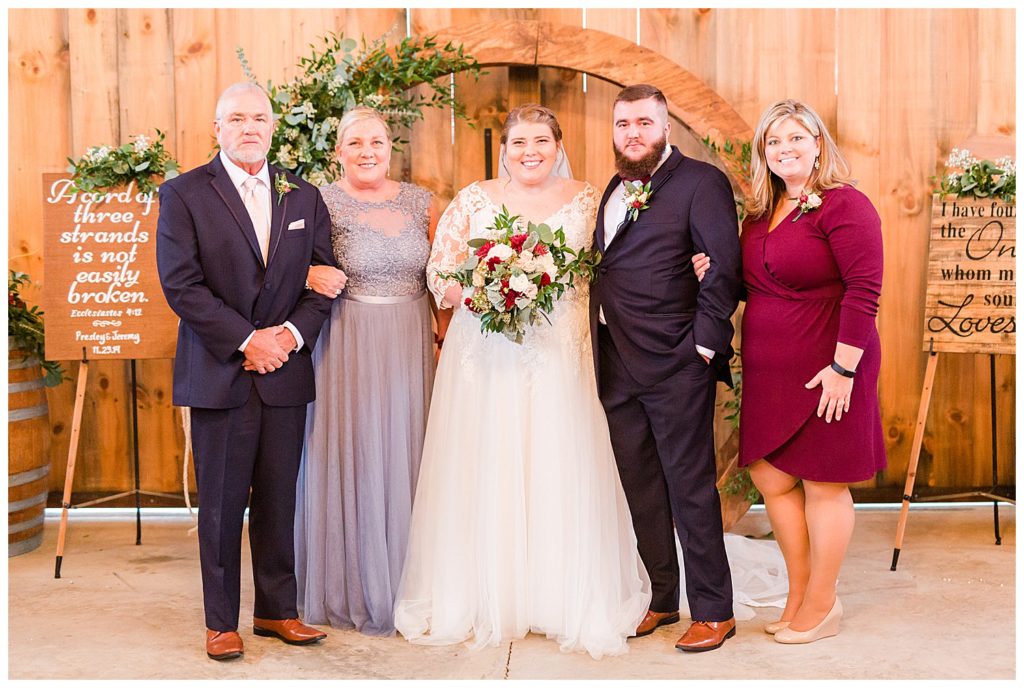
{"x": 969, "y": 308}
{"x": 102, "y": 298}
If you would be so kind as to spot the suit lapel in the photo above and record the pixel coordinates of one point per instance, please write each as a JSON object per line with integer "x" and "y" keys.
{"x": 277, "y": 213}
{"x": 663, "y": 174}
{"x": 221, "y": 183}
{"x": 599, "y": 236}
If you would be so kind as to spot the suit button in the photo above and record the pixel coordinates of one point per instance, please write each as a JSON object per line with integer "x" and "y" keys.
{"x": 603, "y": 270}
{"x": 257, "y": 323}
{"x": 267, "y": 286}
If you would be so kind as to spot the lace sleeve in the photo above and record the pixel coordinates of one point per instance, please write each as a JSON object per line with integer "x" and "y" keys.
{"x": 449, "y": 249}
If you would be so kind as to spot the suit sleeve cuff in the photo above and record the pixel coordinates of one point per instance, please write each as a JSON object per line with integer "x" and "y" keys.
{"x": 295, "y": 333}
{"x": 246, "y": 342}
{"x": 703, "y": 350}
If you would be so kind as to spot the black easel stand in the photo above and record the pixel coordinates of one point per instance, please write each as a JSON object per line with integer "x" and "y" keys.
{"x": 135, "y": 462}
{"x": 910, "y": 496}
{"x": 991, "y": 494}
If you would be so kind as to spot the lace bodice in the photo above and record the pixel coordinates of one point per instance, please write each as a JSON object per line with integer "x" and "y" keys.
{"x": 472, "y": 211}
{"x": 381, "y": 246}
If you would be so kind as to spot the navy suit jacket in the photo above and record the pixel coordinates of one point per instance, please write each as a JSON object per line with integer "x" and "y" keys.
{"x": 655, "y": 308}
{"x": 214, "y": 279}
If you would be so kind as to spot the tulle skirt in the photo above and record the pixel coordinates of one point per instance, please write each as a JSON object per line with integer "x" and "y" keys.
{"x": 520, "y": 523}
{"x": 374, "y": 368}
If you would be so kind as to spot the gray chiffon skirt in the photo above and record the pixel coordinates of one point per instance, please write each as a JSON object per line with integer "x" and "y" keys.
{"x": 374, "y": 366}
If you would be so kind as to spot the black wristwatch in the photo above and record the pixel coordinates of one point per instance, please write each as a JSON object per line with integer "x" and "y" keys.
{"x": 843, "y": 371}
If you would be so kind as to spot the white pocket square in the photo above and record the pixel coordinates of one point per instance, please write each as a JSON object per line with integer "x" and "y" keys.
{"x": 298, "y": 224}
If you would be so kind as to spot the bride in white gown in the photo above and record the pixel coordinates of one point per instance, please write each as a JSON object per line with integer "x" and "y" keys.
{"x": 519, "y": 522}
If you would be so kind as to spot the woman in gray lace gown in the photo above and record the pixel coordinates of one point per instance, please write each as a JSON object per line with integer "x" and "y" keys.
{"x": 374, "y": 364}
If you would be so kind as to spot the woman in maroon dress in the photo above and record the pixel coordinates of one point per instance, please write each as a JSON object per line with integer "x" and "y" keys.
{"x": 809, "y": 418}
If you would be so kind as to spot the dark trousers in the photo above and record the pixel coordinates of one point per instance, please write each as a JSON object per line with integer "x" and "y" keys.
{"x": 664, "y": 446}
{"x": 255, "y": 447}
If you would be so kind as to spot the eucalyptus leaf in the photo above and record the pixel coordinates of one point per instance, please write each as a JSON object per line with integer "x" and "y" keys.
{"x": 476, "y": 243}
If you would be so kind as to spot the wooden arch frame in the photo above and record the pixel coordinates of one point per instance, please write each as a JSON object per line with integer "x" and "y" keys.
{"x": 531, "y": 43}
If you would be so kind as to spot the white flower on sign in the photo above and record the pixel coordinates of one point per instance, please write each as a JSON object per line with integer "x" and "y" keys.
{"x": 141, "y": 144}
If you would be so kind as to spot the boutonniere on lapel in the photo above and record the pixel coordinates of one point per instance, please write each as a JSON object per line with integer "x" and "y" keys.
{"x": 282, "y": 186}
{"x": 636, "y": 196}
{"x": 806, "y": 202}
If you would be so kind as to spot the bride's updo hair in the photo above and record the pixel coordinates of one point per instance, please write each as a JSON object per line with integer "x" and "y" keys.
{"x": 533, "y": 113}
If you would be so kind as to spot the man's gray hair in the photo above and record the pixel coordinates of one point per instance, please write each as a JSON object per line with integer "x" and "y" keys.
{"x": 236, "y": 89}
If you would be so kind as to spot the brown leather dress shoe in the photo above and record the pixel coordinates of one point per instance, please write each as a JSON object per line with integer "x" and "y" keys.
{"x": 292, "y": 631}
{"x": 223, "y": 644}
{"x": 654, "y": 619}
{"x": 706, "y": 635}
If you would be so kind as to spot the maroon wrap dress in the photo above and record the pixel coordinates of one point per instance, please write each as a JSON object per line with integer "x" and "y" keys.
{"x": 810, "y": 283}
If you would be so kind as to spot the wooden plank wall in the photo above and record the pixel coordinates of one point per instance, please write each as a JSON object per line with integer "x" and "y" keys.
{"x": 898, "y": 88}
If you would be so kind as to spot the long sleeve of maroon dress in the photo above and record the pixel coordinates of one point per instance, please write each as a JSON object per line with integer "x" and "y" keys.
{"x": 811, "y": 282}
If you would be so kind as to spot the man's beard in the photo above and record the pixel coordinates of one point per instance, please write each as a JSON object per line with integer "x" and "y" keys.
{"x": 248, "y": 156}
{"x": 645, "y": 166}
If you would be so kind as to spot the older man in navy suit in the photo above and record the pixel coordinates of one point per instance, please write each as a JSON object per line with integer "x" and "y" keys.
{"x": 661, "y": 340}
{"x": 235, "y": 238}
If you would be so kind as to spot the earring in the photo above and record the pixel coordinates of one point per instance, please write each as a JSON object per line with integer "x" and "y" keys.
{"x": 817, "y": 165}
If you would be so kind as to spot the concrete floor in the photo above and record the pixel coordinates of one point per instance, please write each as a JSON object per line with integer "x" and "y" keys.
{"x": 135, "y": 612}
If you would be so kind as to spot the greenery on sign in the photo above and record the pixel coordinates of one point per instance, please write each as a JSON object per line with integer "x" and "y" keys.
{"x": 25, "y": 327}
{"x": 966, "y": 176}
{"x": 340, "y": 75}
{"x": 141, "y": 160}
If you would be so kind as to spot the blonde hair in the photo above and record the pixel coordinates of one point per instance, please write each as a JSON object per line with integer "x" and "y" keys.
{"x": 531, "y": 112}
{"x": 767, "y": 188}
{"x": 361, "y": 114}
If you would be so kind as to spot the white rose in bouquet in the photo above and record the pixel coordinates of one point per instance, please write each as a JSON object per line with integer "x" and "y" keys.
{"x": 520, "y": 283}
{"x": 501, "y": 251}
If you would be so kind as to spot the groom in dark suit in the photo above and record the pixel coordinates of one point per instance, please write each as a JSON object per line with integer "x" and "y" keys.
{"x": 661, "y": 343}
{"x": 235, "y": 238}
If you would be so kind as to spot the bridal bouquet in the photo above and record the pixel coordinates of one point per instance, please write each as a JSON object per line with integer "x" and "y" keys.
{"x": 517, "y": 274}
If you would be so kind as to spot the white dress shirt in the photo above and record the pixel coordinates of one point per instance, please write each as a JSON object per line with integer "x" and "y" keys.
{"x": 238, "y": 177}
{"x": 614, "y": 214}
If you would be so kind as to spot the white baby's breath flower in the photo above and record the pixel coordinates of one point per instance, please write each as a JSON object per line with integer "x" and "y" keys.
{"x": 97, "y": 153}
{"x": 1007, "y": 165}
{"x": 141, "y": 144}
{"x": 308, "y": 110}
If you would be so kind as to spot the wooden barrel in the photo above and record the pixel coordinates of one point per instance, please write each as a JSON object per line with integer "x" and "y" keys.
{"x": 28, "y": 452}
